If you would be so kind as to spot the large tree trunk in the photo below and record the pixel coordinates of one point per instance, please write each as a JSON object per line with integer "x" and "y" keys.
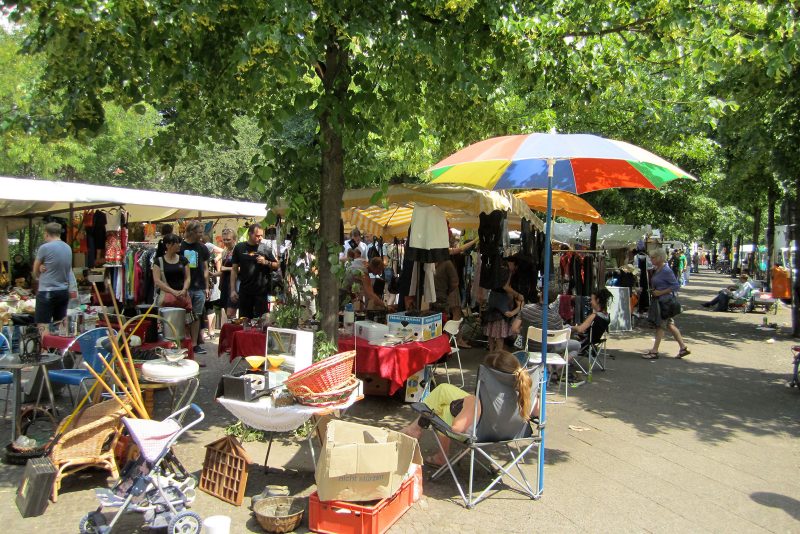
{"x": 593, "y": 237}
{"x": 772, "y": 198}
{"x": 335, "y": 80}
{"x": 752, "y": 266}
{"x": 737, "y": 257}
{"x": 795, "y": 268}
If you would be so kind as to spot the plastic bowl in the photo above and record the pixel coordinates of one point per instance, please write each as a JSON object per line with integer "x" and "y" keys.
{"x": 255, "y": 361}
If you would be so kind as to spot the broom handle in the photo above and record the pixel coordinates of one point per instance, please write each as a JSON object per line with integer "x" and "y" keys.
{"x": 110, "y": 391}
{"x": 115, "y": 349}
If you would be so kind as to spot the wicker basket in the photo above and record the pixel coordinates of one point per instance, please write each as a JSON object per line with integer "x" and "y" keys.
{"x": 326, "y": 398}
{"x": 279, "y": 514}
{"x": 326, "y": 375}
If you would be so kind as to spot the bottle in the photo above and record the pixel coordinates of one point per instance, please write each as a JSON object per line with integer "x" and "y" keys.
{"x": 349, "y": 315}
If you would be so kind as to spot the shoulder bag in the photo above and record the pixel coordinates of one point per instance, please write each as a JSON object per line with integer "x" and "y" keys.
{"x": 168, "y": 300}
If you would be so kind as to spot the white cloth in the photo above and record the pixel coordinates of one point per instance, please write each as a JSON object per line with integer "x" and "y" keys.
{"x": 263, "y": 415}
{"x": 429, "y": 228}
{"x": 429, "y": 291}
{"x": 113, "y": 221}
{"x": 361, "y": 246}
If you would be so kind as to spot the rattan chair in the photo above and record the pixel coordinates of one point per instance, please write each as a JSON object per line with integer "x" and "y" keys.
{"x": 88, "y": 442}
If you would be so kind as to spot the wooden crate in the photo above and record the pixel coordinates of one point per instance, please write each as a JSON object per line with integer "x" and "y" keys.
{"x": 225, "y": 470}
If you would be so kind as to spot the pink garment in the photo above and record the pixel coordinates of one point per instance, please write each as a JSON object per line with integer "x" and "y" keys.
{"x": 151, "y": 436}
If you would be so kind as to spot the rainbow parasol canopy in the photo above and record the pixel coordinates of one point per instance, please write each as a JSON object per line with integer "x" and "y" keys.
{"x": 583, "y": 163}
{"x": 564, "y": 204}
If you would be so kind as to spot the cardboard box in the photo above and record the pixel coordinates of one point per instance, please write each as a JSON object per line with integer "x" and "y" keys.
{"x": 418, "y": 385}
{"x": 423, "y": 327}
{"x": 371, "y": 331}
{"x": 363, "y": 463}
{"x": 375, "y": 385}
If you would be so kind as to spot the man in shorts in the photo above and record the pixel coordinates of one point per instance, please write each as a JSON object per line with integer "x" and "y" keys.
{"x": 197, "y": 254}
{"x": 53, "y": 266}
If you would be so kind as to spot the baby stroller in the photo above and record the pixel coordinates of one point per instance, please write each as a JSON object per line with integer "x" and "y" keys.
{"x": 155, "y": 484}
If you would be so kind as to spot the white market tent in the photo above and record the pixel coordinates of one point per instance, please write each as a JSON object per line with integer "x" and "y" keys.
{"x": 609, "y": 236}
{"x": 24, "y": 199}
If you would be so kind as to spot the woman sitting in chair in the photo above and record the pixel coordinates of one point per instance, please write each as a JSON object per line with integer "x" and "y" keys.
{"x": 600, "y": 300}
{"x": 456, "y": 407}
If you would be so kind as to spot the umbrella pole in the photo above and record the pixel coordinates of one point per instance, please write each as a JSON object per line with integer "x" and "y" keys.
{"x": 545, "y": 308}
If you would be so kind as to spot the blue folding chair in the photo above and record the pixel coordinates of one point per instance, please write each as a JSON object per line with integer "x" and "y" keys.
{"x": 90, "y": 353}
{"x": 6, "y": 378}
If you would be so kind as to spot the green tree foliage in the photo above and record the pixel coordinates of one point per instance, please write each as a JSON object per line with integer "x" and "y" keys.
{"x": 366, "y": 91}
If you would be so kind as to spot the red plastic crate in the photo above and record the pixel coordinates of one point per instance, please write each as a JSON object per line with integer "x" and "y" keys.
{"x": 340, "y": 517}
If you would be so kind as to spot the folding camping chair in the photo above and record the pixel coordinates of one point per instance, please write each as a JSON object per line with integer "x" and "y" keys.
{"x": 451, "y": 329}
{"x": 594, "y": 346}
{"x": 554, "y": 337}
{"x": 499, "y": 424}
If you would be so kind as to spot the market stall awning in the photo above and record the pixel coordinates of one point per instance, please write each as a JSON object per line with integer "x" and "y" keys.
{"x": 389, "y": 215}
{"x": 23, "y": 197}
{"x": 565, "y": 204}
{"x": 609, "y": 236}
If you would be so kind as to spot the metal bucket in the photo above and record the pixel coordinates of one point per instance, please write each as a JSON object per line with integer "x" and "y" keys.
{"x": 177, "y": 318}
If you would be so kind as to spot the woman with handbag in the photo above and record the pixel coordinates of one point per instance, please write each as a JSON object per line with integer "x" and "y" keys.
{"x": 664, "y": 306}
{"x": 171, "y": 275}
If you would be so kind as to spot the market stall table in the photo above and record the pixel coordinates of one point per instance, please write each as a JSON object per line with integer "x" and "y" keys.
{"x": 262, "y": 414}
{"x": 13, "y": 363}
{"x": 248, "y": 343}
{"x": 226, "y": 337}
{"x": 395, "y": 363}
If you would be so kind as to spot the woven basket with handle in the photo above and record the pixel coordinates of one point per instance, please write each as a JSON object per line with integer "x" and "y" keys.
{"x": 326, "y": 375}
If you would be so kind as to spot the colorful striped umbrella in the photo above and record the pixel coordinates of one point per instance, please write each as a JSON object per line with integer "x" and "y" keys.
{"x": 583, "y": 163}
{"x": 577, "y": 163}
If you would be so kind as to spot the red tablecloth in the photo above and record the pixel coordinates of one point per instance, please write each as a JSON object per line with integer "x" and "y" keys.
{"x": 226, "y": 337}
{"x": 248, "y": 343}
{"x": 50, "y": 341}
{"x": 396, "y": 363}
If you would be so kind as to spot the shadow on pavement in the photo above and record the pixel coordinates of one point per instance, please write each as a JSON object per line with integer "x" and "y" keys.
{"x": 789, "y": 505}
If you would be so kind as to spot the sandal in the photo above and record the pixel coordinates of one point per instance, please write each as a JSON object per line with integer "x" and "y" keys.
{"x": 650, "y": 355}
{"x": 683, "y": 352}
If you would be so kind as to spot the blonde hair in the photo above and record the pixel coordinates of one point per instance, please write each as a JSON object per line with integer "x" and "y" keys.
{"x": 506, "y": 362}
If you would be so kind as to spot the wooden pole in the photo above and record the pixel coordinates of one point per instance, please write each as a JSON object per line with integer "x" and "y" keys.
{"x": 115, "y": 348}
{"x": 110, "y": 391}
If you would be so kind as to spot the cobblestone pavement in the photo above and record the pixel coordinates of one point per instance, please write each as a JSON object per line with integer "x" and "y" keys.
{"x": 704, "y": 444}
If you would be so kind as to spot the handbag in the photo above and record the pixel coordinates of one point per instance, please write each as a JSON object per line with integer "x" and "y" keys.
{"x": 168, "y": 300}
{"x": 669, "y": 306}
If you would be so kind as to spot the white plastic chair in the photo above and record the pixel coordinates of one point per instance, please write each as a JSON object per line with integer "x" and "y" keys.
{"x": 451, "y": 328}
{"x": 554, "y": 337}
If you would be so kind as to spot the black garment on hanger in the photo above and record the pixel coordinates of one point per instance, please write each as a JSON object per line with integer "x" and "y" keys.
{"x": 526, "y": 238}
{"x": 588, "y": 274}
{"x": 99, "y": 229}
{"x": 490, "y": 233}
{"x": 644, "y": 283}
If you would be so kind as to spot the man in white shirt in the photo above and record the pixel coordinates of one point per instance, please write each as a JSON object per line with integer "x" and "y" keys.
{"x": 355, "y": 242}
{"x": 723, "y": 298}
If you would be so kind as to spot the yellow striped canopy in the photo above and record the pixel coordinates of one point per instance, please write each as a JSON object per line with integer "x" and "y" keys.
{"x": 389, "y": 215}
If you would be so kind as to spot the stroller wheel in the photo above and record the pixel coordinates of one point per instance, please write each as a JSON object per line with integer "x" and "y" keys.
{"x": 92, "y": 523}
{"x": 185, "y": 522}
